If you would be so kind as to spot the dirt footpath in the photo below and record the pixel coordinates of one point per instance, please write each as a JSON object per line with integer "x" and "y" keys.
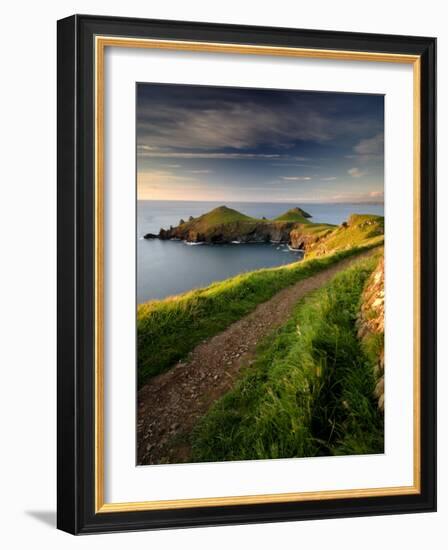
{"x": 171, "y": 403}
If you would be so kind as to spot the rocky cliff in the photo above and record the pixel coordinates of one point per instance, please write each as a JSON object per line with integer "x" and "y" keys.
{"x": 307, "y": 238}
{"x": 224, "y": 225}
{"x": 239, "y": 231}
{"x": 371, "y": 326}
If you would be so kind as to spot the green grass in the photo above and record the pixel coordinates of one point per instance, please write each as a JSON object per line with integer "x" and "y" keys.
{"x": 309, "y": 391}
{"x": 361, "y": 229}
{"x": 294, "y": 215}
{"x": 224, "y": 215}
{"x": 233, "y": 224}
{"x": 225, "y": 224}
{"x": 315, "y": 228}
{"x": 167, "y": 330}
{"x": 216, "y": 217}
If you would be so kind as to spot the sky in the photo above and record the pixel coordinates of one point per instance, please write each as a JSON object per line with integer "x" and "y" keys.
{"x": 207, "y": 143}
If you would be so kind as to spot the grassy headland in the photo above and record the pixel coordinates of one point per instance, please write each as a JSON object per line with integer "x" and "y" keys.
{"x": 310, "y": 389}
{"x": 226, "y": 225}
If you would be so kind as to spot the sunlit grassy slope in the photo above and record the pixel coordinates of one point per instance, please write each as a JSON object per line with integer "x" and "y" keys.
{"x": 360, "y": 229}
{"x": 310, "y": 390}
{"x": 226, "y": 225}
{"x": 294, "y": 215}
{"x": 168, "y": 329}
{"x": 218, "y": 216}
{"x": 223, "y": 215}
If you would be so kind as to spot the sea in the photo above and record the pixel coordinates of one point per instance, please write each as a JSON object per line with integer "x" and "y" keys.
{"x": 166, "y": 268}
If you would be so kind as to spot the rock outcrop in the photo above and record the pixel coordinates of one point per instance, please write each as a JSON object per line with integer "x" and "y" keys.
{"x": 371, "y": 326}
{"x": 244, "y": 232}
{"x": 303, "y": 239}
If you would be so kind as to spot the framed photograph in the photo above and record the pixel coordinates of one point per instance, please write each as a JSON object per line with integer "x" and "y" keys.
{"x": 246, "y": 274}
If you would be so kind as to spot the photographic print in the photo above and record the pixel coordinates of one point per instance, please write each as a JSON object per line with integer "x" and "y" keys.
{"x": 260, "y": 273}
{"x": 233, "y": 344}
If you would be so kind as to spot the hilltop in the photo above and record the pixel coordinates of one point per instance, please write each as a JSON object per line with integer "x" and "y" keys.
{"x": 225, "y": 225}
{"x": 218, "y": 216}
{"x": 294, "y": 215}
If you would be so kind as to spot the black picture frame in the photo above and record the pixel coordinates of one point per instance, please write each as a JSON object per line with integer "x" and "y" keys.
{"x": 76, "y": 255}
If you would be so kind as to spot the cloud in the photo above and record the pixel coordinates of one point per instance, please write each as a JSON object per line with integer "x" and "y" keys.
{"x": 146, "y": 151}
{"x": 160, "y": 184}
{"x": 356, "y": 172}
{"x": 230, "y": 124}
{"x": 200, "y": 171}
{"x": 369, "y": 148}
{"x": 289, "y": 161}
{"x": 356, "y": 197}
{"x": 160, "y": 177}
{"x": 296, "y": 178}
{"x": 185, "y": 118}
{"x": 189, "y": 131}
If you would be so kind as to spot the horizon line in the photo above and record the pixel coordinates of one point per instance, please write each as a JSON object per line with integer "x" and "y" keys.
{"x": 263, "y": 202}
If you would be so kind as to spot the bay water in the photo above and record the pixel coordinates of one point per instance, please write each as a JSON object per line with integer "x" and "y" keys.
{"x": 166, "y": 268}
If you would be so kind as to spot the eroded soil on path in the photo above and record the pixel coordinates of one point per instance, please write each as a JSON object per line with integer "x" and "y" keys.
{"x": 171, "y": 403}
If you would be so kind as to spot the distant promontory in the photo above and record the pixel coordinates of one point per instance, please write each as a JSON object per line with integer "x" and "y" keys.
{"x": 224, "y": 225}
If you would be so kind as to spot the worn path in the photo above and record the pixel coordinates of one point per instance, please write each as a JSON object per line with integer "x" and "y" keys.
{"x": 171, "y": 403}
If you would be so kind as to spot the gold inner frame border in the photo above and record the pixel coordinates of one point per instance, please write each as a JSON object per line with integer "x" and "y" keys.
{"x": 101, "y": 43}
